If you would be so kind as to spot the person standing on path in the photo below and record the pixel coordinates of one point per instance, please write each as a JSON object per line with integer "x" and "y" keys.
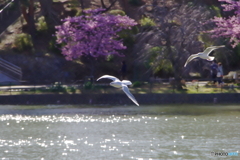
{"x": 123, "y": 70}
{"x": 220, "y": 74}
{"x": 214, "y": 70}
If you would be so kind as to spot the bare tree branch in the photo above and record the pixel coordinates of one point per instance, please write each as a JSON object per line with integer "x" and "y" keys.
{"x": 109, "y": 7}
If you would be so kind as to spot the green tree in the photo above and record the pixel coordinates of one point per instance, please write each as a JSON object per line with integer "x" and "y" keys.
{"x": 176, "y": 35}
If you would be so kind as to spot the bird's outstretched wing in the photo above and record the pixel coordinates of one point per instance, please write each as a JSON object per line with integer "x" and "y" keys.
{"x": 190, "y": 58}
{"x": 109, "y": 77}
{"x": 126, "y": 90}
{"x": 208, "y": 50}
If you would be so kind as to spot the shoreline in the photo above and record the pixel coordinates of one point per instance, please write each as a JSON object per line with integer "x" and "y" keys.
{"x": 119, "y": 99}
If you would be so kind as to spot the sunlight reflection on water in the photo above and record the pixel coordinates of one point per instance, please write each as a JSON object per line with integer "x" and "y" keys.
{"x": 150, "y": 132}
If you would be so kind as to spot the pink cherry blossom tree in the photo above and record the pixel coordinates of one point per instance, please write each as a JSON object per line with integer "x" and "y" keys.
{"x": 92, "y": 34}
{"x": 228, "y": 27}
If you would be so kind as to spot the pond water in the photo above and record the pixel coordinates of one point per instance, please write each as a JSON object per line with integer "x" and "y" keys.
{"x": 119, "y": 132}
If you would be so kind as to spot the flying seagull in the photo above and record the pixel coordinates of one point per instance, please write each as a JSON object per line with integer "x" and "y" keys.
{"x": 120, "y": 84}
{"x": 204, "y": 54}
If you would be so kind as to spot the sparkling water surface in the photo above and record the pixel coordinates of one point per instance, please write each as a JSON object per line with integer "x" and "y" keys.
{"x": 120, "y": 132}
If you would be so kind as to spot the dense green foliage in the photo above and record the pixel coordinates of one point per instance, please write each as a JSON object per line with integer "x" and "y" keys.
{"x": 57, "y": 87}
{"x": 158, "y": 60}
{"x": 42, "y": 25}
{"x": 137, "y": 84}
{"x": 53, "y": 46}
{"x": 147, "y": 23}
{"x": 117, "y": 12}
{"x": 23, "y": 42}
{"x": 88, "y": 85}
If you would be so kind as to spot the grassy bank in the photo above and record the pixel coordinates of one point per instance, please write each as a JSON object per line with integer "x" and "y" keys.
{"x": 144, "y": 88}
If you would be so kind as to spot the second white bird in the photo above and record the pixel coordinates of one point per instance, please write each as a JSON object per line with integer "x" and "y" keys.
{"x": 203, "y": 55}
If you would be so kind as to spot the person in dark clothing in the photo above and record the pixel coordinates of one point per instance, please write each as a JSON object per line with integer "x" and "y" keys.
{"x": 214, "y": 70}
{"x": 123, "y": 69}
{"x": 220, "y": 74}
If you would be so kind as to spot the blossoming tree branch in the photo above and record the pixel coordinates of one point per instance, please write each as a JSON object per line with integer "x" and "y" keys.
{"x": 228, "y": 27}
{"x": 92, "y": 34}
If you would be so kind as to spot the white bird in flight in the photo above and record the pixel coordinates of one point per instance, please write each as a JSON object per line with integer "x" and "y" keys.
{"x": 203, "y": 55}
{"x": 120, "y": 84}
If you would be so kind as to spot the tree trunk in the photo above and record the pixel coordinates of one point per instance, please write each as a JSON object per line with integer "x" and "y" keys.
{"x": 92, "y": 66}
{"x": 82, "y": 4}
{"x": 175, "y": 63}
{"x": 50, "y": 16}
{"x": 28, "y": 14}
{"x": 178, "y": 79}
{"x": 31, "y": 19}
{"x": 109, "y": 7}
{"x": 125, "y": 5}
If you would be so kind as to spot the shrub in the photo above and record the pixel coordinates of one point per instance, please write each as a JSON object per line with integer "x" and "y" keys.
{"x": 157, "y": 60}
{"x": 216, "y": 10}
{"x": 147, "y": 22}
{"x": 57, "y": 87}
{"x": 88, "y": 85}
{"x": 42, "y": 25}
{"x": 137, "y": 84}
{"x": 109, "y": 58}
{"x": 117, "y": 12}
{"x": 53, "y": 46}
{"x": 135, "y": 30}
{"x": 128, "y": 36}
{"x": 128, "y": 39}
{"x": 72, "y": 89}
{"x": 23, "y": 42}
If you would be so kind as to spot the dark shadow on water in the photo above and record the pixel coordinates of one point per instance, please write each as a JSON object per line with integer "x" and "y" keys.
{"x": 119, "y": 110}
